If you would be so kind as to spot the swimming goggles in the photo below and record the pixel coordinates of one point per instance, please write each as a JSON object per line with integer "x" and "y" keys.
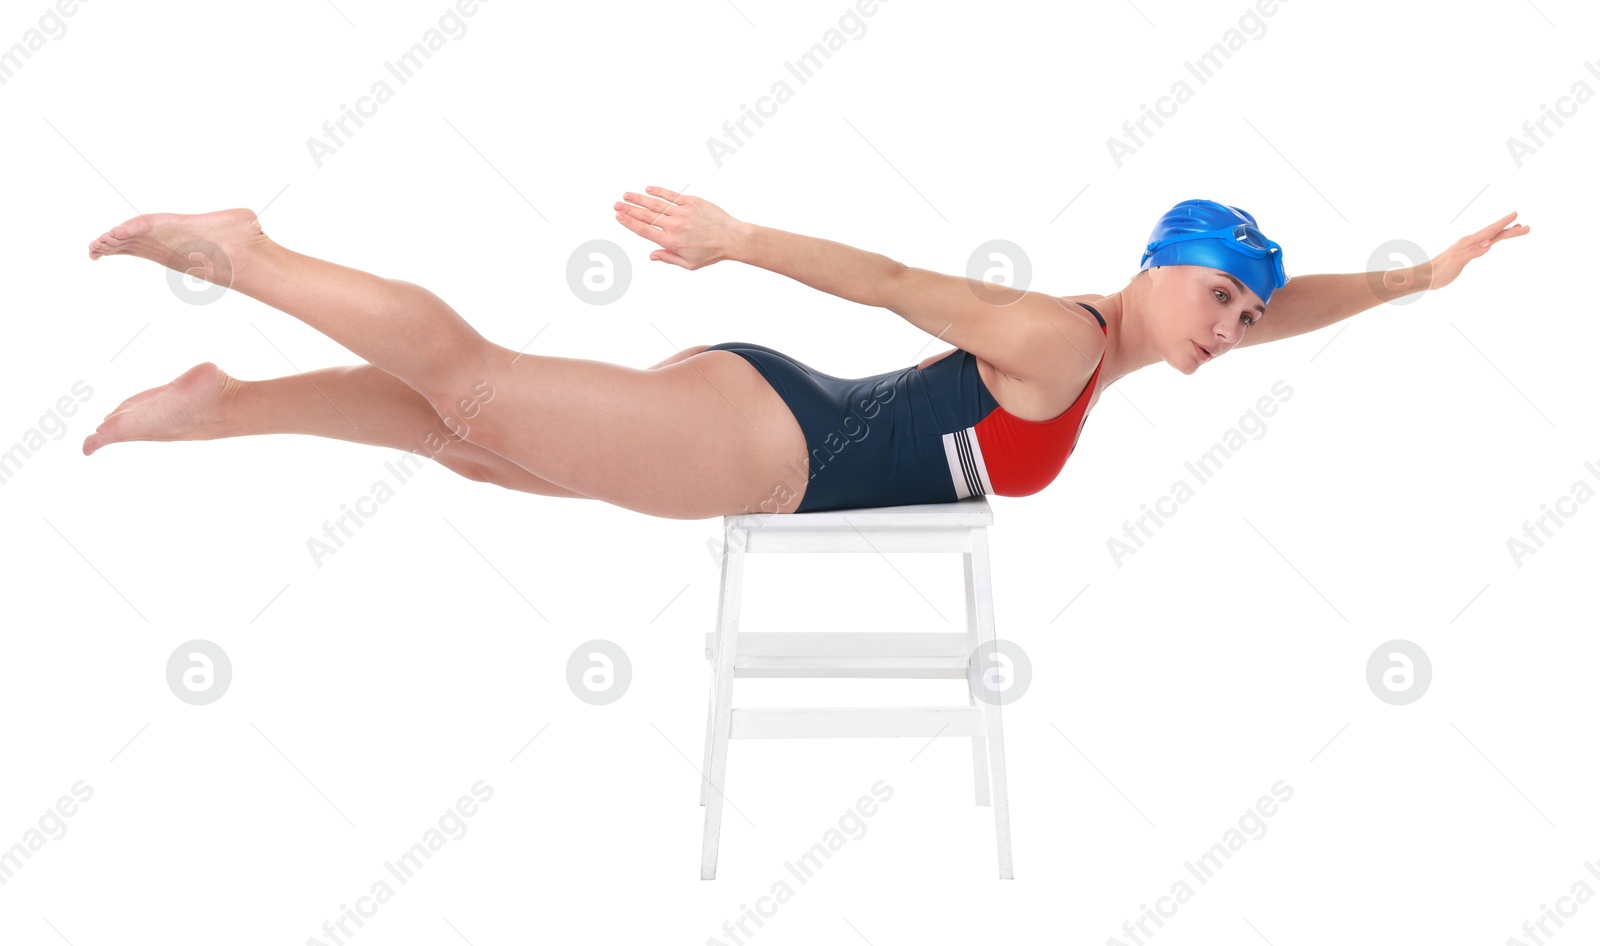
{"x": 1241, "y": 238}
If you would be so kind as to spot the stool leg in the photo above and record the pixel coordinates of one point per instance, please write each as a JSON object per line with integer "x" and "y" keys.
{"x": 982, "y": 592}
{"x": 711, "y": 705}
{"x": 711, "y": 698}
{"x": 722, "y": 679}
{"x": 980, "y": 754}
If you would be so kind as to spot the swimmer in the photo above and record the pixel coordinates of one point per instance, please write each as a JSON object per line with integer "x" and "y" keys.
{"x": 737, "y": 427}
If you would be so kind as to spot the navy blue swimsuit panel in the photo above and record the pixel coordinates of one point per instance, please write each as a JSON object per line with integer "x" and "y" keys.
{"x": 878, "y": 440}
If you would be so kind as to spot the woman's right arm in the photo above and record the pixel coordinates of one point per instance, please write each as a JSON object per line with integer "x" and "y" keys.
{"x": 693, "y": 232}
{"x": 844, "y": 271}
{"x": 1023, "y": 334}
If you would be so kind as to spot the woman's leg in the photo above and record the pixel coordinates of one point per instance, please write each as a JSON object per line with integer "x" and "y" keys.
{"x": 360, "y": 404}
{"x": 701, "y": 437}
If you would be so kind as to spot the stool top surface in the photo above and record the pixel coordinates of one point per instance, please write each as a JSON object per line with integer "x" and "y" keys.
{"x": 972, "y": 511}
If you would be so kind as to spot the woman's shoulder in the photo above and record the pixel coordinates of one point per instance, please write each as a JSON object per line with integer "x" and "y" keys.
{"x": 1091, "y": 298}
{"x": 1052, "y": 394}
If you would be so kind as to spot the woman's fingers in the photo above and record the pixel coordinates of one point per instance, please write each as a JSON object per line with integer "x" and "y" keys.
{"x": 1495, "y": 227}
{"x": 1493, "y": 233}
{"x": 643, "y": 215}
{"x": 655, "y": 204}
{"x": 631, "y": 218}
{"x": 691, "y": 231}
{"x": 1497, "y": 231}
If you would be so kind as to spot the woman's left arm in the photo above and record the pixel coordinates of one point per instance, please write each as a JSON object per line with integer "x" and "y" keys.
{"x": 1307, "y": 303}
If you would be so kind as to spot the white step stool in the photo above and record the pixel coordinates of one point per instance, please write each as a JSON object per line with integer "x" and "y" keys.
{"x": 942, "y": 527}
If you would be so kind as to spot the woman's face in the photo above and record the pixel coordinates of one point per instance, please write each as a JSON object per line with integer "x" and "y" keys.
{"x": 1199, "y": 307}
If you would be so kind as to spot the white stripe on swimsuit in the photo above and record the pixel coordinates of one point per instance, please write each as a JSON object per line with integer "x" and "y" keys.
{"x": 967, "y": 469}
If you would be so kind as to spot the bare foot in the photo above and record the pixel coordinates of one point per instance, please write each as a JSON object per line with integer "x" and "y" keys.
{"x": 191, "y": 406}
{"x": 211, "y": 246}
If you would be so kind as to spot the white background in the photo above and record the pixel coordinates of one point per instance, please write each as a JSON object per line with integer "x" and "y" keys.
{"x": 1227, "y": 654}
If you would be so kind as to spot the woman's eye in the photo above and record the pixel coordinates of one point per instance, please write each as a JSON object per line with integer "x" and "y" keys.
{"x": 1222, "y": 296}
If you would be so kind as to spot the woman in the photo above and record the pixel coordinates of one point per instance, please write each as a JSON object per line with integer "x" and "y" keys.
{"x": 737, "y": 427}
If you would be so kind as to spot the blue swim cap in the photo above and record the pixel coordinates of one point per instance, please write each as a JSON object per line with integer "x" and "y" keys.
{"x": 1206, "y": 233}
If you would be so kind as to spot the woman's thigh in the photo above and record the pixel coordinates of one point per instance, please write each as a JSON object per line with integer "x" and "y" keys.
{"x": 702, "y": 437}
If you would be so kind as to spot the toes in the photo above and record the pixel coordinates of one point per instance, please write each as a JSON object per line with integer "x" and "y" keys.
{"x": 95, "y": 440}
{"x": 110, "y": 242}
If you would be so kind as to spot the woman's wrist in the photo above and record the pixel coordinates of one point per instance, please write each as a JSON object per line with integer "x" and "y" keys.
{"x": 1401, "y": 281}
{"x": 742, "y": 242}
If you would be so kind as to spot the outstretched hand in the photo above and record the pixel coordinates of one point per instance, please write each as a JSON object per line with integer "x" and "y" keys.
{"x": 692, "y": 232}
{"x": 1445, "y": 267}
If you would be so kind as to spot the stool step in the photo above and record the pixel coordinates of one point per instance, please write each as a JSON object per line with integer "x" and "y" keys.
{"x": 868, "y": 721}
{"x": 903, "y": 654}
